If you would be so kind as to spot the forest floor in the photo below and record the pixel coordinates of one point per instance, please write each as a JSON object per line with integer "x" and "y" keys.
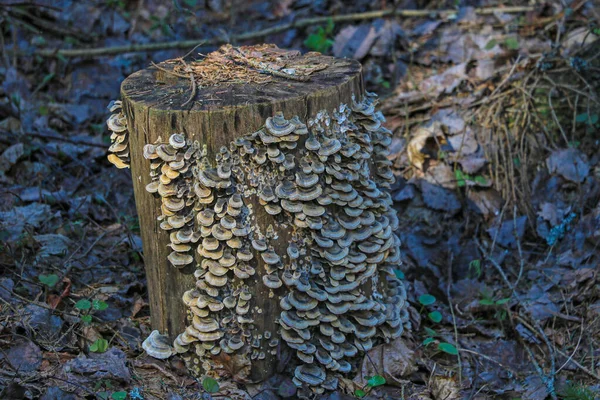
{"x": 495, "y": 113}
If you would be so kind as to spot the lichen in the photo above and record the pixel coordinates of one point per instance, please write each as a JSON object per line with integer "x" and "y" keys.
{"x": 324, "y": 185}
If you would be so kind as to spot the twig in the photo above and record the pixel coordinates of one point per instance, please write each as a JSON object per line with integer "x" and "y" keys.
{"x": 300, "y": 23}
{"x": 581, "y": 367}
{"x": 448, "y": 287}
{"x": 265, "y": 69}
{"x": 58, "y": 139}
{"x": 187, "y": 69}
{"x": 166, "y": 71}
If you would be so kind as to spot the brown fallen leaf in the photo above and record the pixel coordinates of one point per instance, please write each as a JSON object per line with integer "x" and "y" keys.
{"x": 444, "y": 387}
{"x": 236, "y": 366}
{"x": 393, "y": 361}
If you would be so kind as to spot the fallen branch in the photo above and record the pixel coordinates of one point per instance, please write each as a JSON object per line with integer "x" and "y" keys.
{"x": 51, "y": 137}
{"x": 300, "y": 23}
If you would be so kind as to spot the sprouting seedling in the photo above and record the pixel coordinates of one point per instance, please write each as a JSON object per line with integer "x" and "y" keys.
{"x": 49, "y": 280}
{"x": 99, "y": 346}
{"x": 488, "y": 300}
{"x": 320, "y": 40}
{"x": 87, "y": 307}
{"x": 436, "y": 317}
{"x": 475, "y": 268}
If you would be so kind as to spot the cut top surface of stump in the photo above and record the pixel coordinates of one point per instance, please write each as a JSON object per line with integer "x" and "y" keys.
{"x": 241, "y": 77}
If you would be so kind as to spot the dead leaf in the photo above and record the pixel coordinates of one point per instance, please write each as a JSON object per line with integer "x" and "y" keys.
{"x": 439, "y": 198}
{"x": 571, "y": 164}
{"x": 445, "y": 82}
{"x": 54, "y": 300}
{"x": 10, "y": 156}
{"x": 24, "y": 357}
{"x": 441, "y": 174}
{"x": 444, "y": 387}
{"x": 354, "y": 41}
{"x": 424, "y": 144}
{"x": 393, "y": 361}
{"x": 487, "y": 202}
{"x": 236, "y": 366}
{"x": 507, "y": 234}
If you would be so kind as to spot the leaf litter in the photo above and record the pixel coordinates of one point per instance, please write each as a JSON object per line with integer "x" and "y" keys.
{"x": 498, "y": 188}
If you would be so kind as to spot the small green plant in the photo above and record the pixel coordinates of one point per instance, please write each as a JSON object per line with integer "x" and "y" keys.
{"x": 49, "y": 280}
{"x": 161, "y": 24}
{"x": 99, "y": 346}
{"x": 511, "y": 43}
{"x": 462, "y": 179}
{"x": 372, "y": 381}
{"x": 321, "y": 39}
{"x": 491, "y": 44}
{"x": 210, "y": 385}
{"x": 590, "y": 121}
{"x": 436, "y": 317}
{"x": 576, "y": 391}
{"x": 121, "y": 395}
{"x": 475, "y": 269}
{"x": 87, "y": 307}
{"x": 497, "y": 304}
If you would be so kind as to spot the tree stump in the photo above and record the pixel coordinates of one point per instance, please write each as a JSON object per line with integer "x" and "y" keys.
{"x": 268, "y": 232}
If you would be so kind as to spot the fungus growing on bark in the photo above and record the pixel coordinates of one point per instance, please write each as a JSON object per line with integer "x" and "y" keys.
{"x": 324, "y": 183}
{"x": 119, "y": 138}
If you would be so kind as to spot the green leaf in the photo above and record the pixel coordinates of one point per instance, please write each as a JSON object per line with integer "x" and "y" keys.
{"x": 399, "y": 274}
{"x": 360, "y": 393}
{"x": 503, "y": 301}
{"x": 99, "y": 346}
{"x": 512, "y": 43}
{"x": 481, "y": 180}
{"x": 210, "y": 385}
{"x": 491, "y": 44}
{"x": 487, "y": 302}
{"x": 49, "y": 280}
{"x": 581, "y": 117}
{"x": 329, "y": 27}
{"x": 99, "y": 305}
{"x": 119, "y": 395}
{"x": 319, "y": 41}
{"x": 426, "y": 299}
{"x": 47, "y": 78}
{"x": 428, "y": 341}
{"x": 190, "y": 3}
{"x": 435, "y": 316}
{"x": 376, "y": 380}
{"x": 430, "y": 332}
{"x": 460, "y": 178}
{"x": 448, "y": 348}
{"x": 86, "y": 319}
{"x": 83, "y": 304}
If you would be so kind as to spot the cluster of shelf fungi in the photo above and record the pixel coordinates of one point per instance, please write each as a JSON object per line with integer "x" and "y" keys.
{"x": 325, "y": 184}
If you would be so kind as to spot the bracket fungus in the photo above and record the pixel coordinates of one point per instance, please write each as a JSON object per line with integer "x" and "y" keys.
{"x": 119, "y": 138}
{"x": 325, "y": 260}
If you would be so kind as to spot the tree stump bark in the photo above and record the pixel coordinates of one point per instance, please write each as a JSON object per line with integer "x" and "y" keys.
{"x": 209, "y": 129}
